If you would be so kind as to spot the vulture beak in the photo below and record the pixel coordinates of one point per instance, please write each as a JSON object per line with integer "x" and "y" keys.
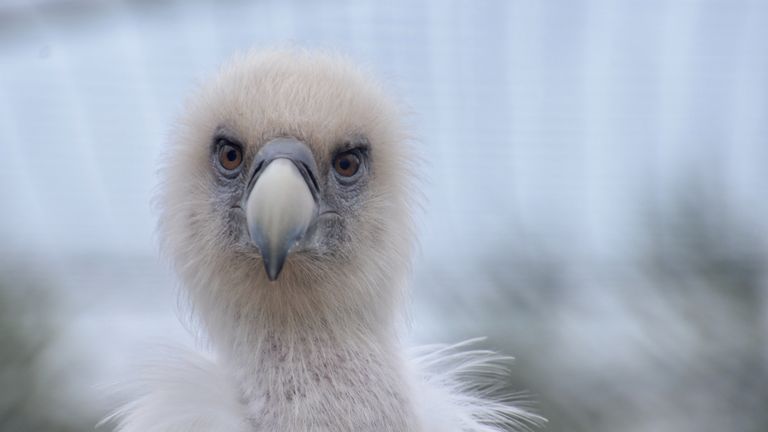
{"x": 281, "y": 200}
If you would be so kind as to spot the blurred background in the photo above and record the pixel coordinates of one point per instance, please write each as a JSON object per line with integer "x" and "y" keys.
{"x": 596, "y": 175}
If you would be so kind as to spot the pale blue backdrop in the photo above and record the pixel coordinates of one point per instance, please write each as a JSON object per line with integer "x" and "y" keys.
{"x": 595, "y": 174}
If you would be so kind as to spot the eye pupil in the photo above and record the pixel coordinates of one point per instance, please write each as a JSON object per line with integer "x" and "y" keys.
{"x": 346, "y": 164}
{"x": 230, "y": 156}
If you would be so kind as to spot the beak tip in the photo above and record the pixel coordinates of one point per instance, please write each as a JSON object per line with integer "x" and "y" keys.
{"x": 272, "y": 276}
{"x": 273, "y": 267}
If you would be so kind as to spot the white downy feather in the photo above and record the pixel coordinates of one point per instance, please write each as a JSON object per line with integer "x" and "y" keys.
{"x": 454, "y": 389}
{"x": 460, "y": 390}
{"x": 184, "y": 392}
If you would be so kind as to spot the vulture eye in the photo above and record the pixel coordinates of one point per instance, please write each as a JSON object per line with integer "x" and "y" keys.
{"x": 230, "y": 155}
{"x": 346, "y": 164}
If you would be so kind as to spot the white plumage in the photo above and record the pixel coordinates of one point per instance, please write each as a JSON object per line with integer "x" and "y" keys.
{"x": 285, "y": 210}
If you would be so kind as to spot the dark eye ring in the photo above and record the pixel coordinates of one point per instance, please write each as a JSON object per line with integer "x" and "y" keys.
{"x": 230, "y": 155}
{"x": 347, "y": 164}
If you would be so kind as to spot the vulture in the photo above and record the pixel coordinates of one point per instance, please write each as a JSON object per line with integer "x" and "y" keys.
{"x": 285, "y": 209}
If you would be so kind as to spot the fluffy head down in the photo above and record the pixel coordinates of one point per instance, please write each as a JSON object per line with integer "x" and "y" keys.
{"x": 352, "y": 269}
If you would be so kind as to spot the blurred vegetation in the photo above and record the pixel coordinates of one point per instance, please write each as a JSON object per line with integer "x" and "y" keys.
{"x": 31, "y": 379}
{"x": 671, "y": 337}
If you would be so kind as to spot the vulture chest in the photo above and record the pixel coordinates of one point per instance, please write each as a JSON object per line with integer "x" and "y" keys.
{"x": 325, "y": 389}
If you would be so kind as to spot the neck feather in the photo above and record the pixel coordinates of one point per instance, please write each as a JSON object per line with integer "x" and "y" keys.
{"x": 305, "y": 364}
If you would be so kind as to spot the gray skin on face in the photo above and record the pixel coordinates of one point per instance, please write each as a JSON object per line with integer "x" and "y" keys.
{"x": 337, "y": 200}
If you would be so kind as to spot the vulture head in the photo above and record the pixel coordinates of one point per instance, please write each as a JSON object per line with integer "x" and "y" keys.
{"x": 285, "y": 210}
{"x": 286, "y": 195}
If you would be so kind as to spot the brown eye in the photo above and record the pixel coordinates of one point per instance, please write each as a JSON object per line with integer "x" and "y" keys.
{"x": 230, "y": 156}
{"x": 346, "y": 164}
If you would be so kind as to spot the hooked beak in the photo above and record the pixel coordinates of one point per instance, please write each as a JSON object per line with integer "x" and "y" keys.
{"x": 283, "y": 200}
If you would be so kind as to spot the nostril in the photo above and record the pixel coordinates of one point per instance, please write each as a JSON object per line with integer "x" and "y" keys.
{"x": 255, "y": 174}
{"x": 258, "y": 167}
{"x": 311, "y": 176}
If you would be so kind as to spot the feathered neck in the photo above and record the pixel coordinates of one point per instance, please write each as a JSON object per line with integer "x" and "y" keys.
{"x": 306, "y": 363}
